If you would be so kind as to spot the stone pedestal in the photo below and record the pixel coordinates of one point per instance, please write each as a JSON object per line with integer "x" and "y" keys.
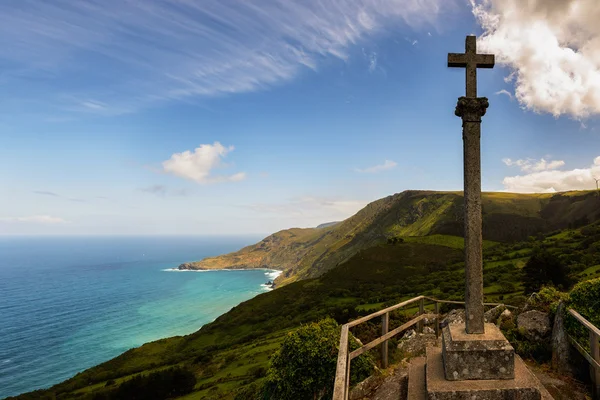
{"x": 477, "y": 356}
{"x": 524, "y": 386}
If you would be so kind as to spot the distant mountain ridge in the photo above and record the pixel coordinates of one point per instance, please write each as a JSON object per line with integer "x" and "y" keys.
{"x": 308, "y": 253}
{"x": 328, "y": 224}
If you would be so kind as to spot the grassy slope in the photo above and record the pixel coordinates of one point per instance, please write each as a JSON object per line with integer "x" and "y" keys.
{"x": 307, "y": 253}
{"x": 224, "y": 353}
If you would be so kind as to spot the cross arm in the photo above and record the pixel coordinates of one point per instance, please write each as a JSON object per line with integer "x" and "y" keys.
{"x": 457, "y": 60}
{"x": 485, "y": 60}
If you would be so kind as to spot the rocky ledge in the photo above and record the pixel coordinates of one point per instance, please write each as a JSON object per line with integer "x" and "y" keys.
{"x": 190, "y": 266}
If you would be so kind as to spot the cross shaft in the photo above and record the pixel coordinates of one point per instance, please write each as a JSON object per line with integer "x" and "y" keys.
{"x": 470, "y": 60}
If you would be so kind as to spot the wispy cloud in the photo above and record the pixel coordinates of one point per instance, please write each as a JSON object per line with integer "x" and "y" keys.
{"x": 199, "y": 165}
{"x": 45, "y": 193}
{"x": 141, "y": 52}
{"x": 35, "y": 219}
{"x": 533, "y": 165}
{"x": 388, "y": 164}
{"x": 53, "y": 194}
{"x": 552, "y": 180}
{"x": 162, "y": 190}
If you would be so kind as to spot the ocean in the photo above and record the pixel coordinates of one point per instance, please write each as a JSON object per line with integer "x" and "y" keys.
{"x": 69, "y": 303}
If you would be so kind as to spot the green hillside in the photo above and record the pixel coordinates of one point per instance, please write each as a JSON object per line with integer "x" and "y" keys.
{"x": 229, "y": 356}
{"x": 507, "y": 217}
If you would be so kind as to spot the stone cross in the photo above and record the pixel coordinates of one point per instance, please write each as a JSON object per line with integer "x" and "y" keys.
{"x": 470, "y": 60}
{"x": 471, "y": 108}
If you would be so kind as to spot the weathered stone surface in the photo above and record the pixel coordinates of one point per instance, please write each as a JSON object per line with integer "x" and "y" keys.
{"x": 471, "y": 110}
{"x": 390, "y": 384}
{"x": 525, "y": 386}
{"x": 409, "y": 334}
{"x": 470, "y": 61}
{"x": 534, "y": 325}
{"x": 456, "y": 316}
{"x": 416, "y": 379}
{"x": 417, "y": 343}
{"x": 506, "y": 320}
{"x": 428, "y": 331}
{"x": 476, "y": 357}
{"x": 563, "y": 356}
{"x": 493, "y": 314}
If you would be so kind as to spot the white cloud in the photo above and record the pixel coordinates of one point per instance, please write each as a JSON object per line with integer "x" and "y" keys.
{"x": 505, "y": 92}
{"x": 543, "y": 181}
{"x": 198, "y": 166}
{"x": 531, "y": 165}
{"x": 173, "y": 49}
{"x": 553, "y": 48}
{"x": 36, "y": 219}
{"x": 372, "y": 62}
{"x": 318, "y": 208}
{"x": 162, "y": 191}
{"x": 388, "y": 164}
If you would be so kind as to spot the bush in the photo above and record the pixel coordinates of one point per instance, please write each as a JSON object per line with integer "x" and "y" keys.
{"x": 585, "y": 299}
{"x": 165, "y": 384}
{"x": 304, "y": 367}
{"x": 547, "y": 300}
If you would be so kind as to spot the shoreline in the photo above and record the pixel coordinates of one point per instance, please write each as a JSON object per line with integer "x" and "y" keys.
{"x": 270, "y": 273}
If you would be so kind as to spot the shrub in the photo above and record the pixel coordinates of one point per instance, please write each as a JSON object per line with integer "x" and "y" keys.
{"x": 304, "y": 367}
{"x": 585, "y": 299}
{"x": 547, "y": 299}
{"x": 168, "y": 383}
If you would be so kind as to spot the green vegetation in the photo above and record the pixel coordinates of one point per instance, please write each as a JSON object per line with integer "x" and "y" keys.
{"x": 165, "y": 384}
{"x": 302, "y": 367}
{"x": 353, "y": 270}
{"x": 585, "y": 299}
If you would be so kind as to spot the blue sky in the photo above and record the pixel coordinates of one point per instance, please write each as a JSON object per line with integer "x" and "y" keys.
{"x": 224, "y": 117}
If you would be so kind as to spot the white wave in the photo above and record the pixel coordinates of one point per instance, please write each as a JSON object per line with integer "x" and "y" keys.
{"x": 266, "y": 288}
{"x": 272, "y": 274}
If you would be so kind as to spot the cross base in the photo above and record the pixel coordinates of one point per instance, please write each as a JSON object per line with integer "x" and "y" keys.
{"x": 525, "y": 386}
{"x": 477, "y": 356}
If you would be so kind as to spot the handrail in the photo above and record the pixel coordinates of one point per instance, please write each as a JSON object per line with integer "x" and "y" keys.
{"x": 590, "y": 327}
{"x": 384, "y": 311}
{"x": 462, "y": 302}
{"x": 342, "y": 374}
{"x": 593, "y": 358}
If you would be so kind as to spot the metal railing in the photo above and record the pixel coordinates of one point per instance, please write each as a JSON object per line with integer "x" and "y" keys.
{"x": 342, "y": 374}
{"x": 593, "y": 357}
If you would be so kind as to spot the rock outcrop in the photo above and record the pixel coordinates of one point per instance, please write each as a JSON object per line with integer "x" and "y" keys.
{"x": 534, "y": 325}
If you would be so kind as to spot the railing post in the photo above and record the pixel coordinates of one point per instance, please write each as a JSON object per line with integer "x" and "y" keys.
{"x": 421, "y": 311}
{"x": 437, "y": 319}
{"x": 347, "y": 388}
{"x": 342, "y": 373}
{"x": 385, "y": 320}
{"x": 595, "y": 372}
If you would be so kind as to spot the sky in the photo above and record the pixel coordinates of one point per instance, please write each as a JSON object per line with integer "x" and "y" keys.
{"x": 216, "y": 117}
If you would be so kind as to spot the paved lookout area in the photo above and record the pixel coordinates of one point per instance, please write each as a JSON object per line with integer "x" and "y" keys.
{"x": 476, "y": 361}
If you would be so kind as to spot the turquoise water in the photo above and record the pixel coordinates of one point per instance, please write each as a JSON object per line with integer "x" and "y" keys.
{"x": 69, "y": 303}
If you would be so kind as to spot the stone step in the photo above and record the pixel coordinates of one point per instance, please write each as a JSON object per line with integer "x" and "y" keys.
{"x": 416, "y": 379}
{"x": 525, "y": 386}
